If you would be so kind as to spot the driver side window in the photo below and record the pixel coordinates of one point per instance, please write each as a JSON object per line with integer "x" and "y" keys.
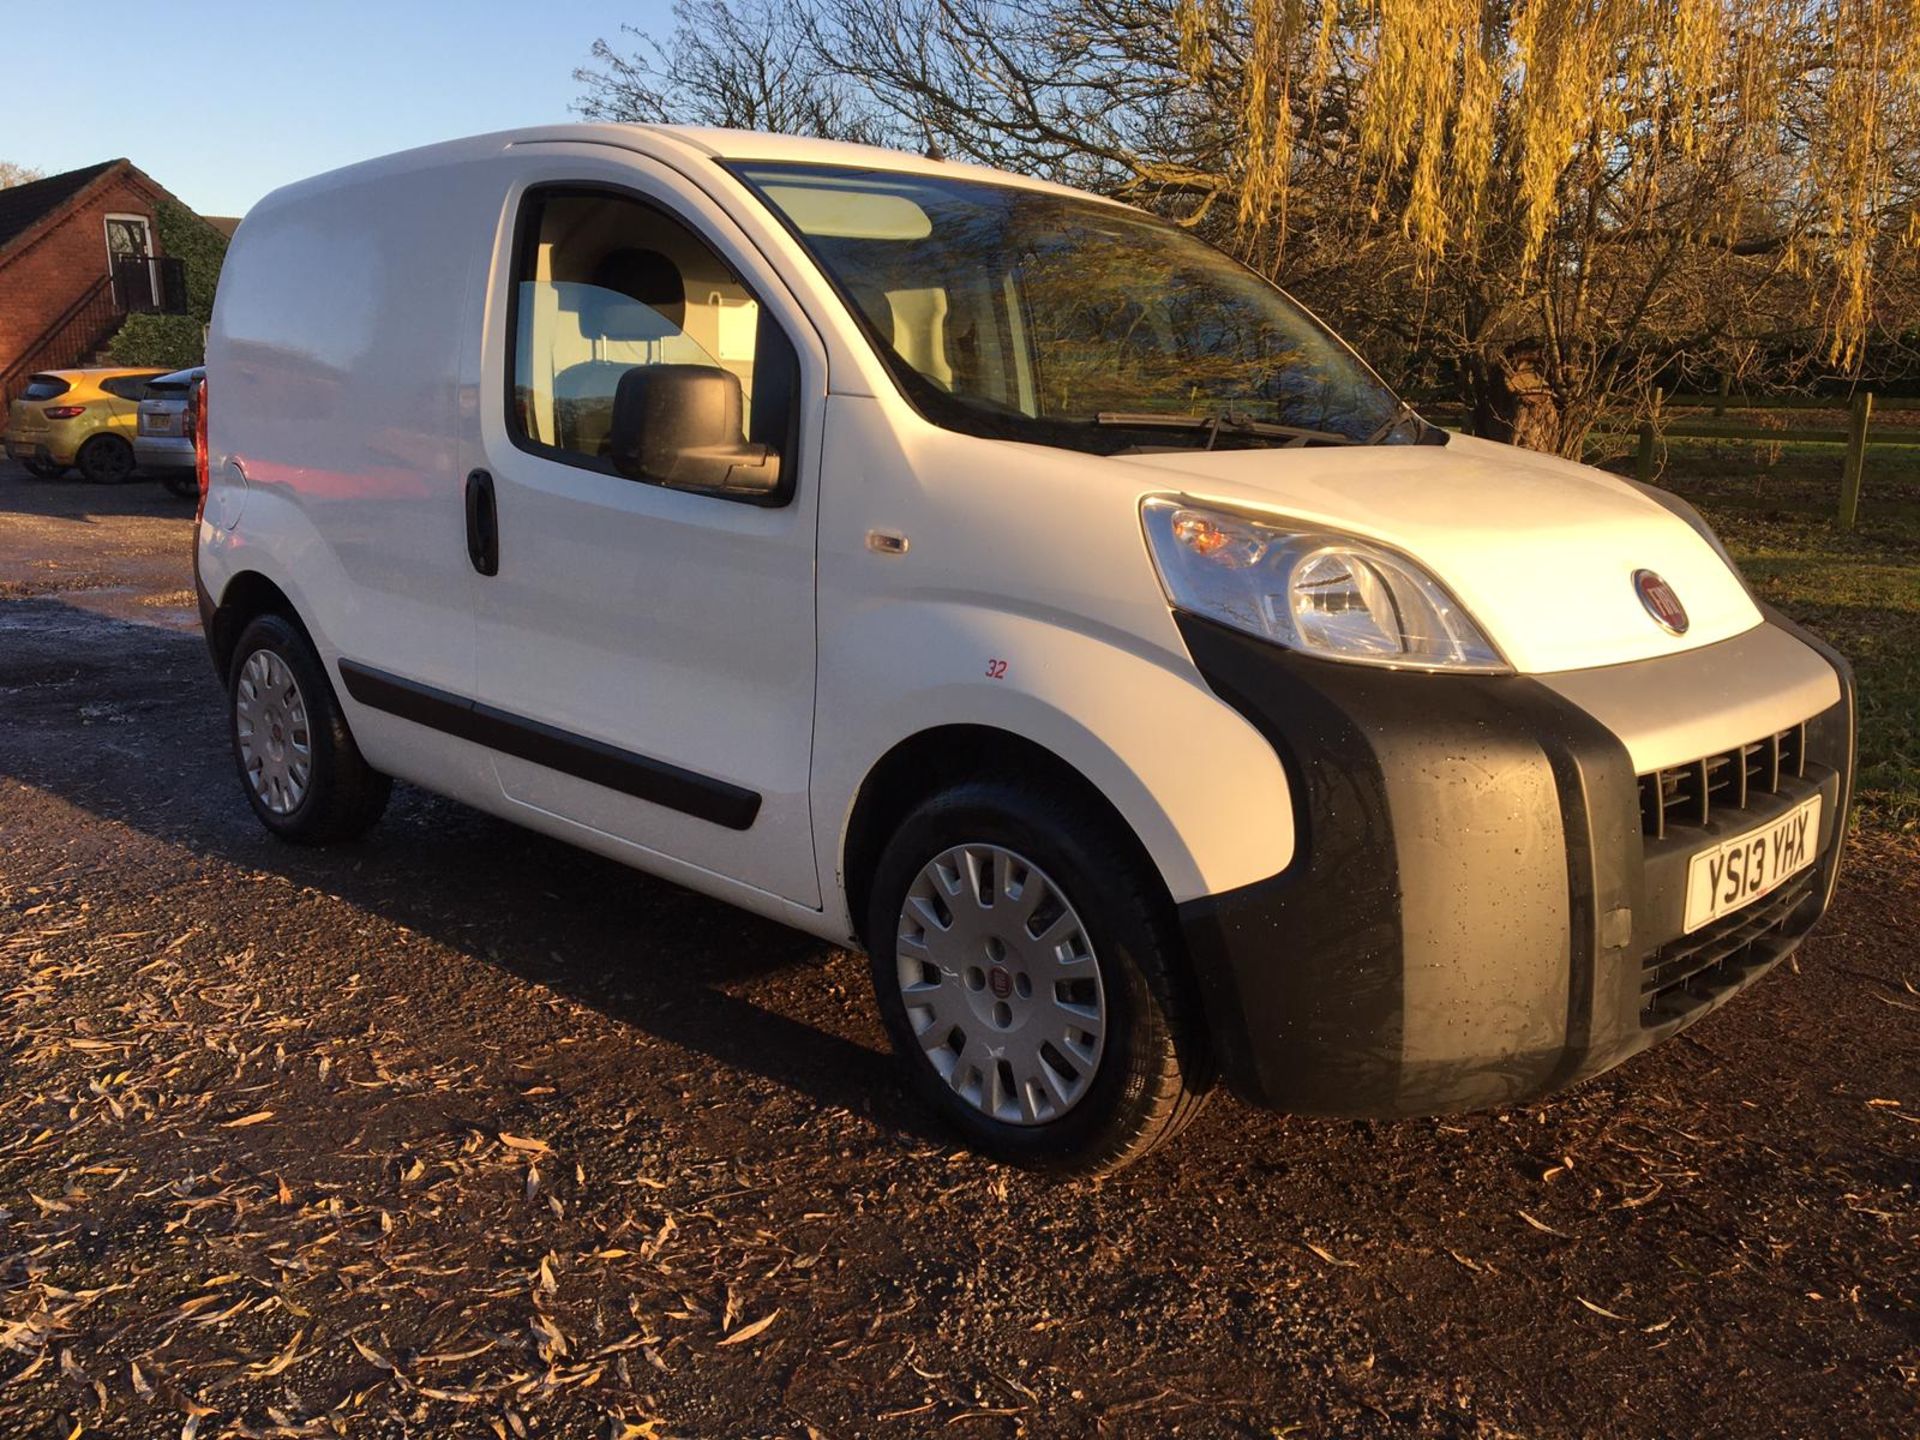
{"x": 605, "y": 284}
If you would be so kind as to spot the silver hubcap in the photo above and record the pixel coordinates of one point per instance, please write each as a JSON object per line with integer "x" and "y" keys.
{"x": 1000, "y": 984}
{"x": 270, "y": 720}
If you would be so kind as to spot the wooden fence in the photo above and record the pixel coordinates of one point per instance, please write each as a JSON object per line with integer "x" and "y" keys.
{"x": 1703, "y": 417}
{"x": 1857, "y": 437}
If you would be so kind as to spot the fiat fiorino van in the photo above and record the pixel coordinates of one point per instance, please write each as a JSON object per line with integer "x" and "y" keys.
{"x": 999, "y": 580}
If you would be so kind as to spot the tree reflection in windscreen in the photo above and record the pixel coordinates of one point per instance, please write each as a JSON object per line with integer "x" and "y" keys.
{"x": 1027, "y": 315}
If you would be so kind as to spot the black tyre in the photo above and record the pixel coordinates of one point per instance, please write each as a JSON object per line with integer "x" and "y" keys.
{"x": 1030, "y": 980}
{"x": 44, "y": 469}
{"x": 299, "y": 766}
{"x": 187, "y": 487}
{"x": 105, "y": 460}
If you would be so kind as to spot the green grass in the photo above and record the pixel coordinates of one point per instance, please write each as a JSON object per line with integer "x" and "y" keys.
{"x": 1774, "y": 504}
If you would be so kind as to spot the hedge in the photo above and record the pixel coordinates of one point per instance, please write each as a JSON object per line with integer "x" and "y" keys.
{"x": 176, "y": 341}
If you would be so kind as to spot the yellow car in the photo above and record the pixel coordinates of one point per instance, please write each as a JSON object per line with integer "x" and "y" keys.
{"x": 78, "y": 417}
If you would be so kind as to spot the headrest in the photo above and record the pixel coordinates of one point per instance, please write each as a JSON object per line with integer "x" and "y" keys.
{"x": 874, "y": 304}
{"x": 626, "y": 276}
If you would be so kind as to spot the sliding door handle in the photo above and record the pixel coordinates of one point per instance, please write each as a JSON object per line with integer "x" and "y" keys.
{"x": 483, "y": 524}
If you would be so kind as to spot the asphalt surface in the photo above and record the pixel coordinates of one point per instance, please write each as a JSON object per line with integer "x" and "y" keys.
{"x": 458, "y": 1131}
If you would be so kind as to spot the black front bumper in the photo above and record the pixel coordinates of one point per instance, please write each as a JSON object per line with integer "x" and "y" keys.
{"x": 1473, "y": 916}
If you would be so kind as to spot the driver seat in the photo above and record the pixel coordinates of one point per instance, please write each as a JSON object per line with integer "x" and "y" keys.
{"x": 632, "y": 296}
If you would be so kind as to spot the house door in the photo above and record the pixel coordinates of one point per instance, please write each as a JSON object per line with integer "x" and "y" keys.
{"x": 130, "y": 261}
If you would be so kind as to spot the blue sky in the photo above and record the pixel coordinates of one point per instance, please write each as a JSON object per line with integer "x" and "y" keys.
{"x": 221, "y": 101}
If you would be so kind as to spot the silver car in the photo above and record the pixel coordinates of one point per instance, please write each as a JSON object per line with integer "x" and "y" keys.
{"x": 163, "y": 443}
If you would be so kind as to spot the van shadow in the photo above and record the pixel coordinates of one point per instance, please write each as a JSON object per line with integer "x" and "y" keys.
{"x": 71, "y": 497}
{"x": 126, "y": 722}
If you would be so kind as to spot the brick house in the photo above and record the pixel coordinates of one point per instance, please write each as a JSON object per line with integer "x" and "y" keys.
{"x": 78, "y": 252}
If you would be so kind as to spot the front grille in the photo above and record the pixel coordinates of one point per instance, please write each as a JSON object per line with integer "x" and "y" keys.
{"x": 1692, "y": 793}
{"x": 1686, "y": 973}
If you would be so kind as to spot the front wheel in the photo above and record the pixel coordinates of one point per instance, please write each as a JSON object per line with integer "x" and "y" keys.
{"x": 106, "y": 460}
{"x": 303, "y": 773}
{"x": 1029, "y": 981}
{"x": 187, "y": 487}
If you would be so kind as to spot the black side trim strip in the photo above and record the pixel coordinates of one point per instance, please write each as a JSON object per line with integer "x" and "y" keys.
{"x": 641, "y": 776}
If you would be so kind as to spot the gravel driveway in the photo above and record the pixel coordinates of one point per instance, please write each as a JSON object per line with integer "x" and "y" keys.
{"x": 458, "y": 1131}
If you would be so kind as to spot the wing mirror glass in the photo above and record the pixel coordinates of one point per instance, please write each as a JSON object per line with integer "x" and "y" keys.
{"x": 680, "y": 426}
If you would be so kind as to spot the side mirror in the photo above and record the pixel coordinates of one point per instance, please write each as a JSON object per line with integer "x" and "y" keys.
{"x": 680, "y": 426}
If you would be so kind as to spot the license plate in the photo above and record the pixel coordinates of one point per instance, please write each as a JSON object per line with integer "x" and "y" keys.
{"x": 157, "y": 424}
{"x": 1738, "y": 872}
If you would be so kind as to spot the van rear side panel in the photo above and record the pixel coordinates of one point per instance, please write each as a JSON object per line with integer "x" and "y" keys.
{"x": 332, "y": 369}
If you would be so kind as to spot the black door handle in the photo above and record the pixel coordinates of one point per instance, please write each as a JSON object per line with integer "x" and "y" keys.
{"x": 483, "y": 524}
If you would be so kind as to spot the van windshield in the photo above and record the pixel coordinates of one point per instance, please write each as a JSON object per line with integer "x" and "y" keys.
{"x": 1030, "y": 315}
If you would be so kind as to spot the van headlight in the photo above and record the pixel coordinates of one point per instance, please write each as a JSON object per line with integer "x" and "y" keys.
{"x": 1315, "y": 591}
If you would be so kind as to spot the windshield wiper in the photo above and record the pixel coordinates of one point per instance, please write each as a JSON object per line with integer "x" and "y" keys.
{"x": 1402, "y": 413}
{"x": 1227, "y": 422}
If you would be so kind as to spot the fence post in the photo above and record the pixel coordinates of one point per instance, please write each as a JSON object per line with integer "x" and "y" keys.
{"x": 1643, "y": 462}
{"x": 1726, "y": 389}
{"x": 1856, "y": 458}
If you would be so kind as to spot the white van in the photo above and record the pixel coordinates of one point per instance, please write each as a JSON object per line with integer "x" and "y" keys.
{"x": 997, "y": 579}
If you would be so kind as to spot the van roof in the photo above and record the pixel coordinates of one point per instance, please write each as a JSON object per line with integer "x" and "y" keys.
{"x": 799, "y": 149}
{"x": 684, "y": 143}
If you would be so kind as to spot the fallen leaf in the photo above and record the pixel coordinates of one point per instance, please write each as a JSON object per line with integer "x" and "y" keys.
{"x": 1329, "y": 1256}
{"x": 1600, "y": 1309}
{"x": 1543, "y": 1227}
{"x": 256, "y": 1118}
{"x": 746, "y": 1333}
{"x": 449, "y": 1357}
{"x": 285, "y": 1358}
{"x": 521, "y": 1142}
{"x": 548, "y": 1338}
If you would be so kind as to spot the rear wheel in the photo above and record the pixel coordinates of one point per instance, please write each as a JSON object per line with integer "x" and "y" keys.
{"x": 1030, "y": 983}
{"x": 187, "y": 487}
{"x": 105, "y": 460}
{"x": 302, "y": 771}
{"x": 44, "y": 469}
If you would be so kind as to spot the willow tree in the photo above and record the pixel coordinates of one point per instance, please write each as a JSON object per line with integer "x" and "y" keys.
{"x": 1552, "y": 203}
{"x": 1586, "y": 178}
